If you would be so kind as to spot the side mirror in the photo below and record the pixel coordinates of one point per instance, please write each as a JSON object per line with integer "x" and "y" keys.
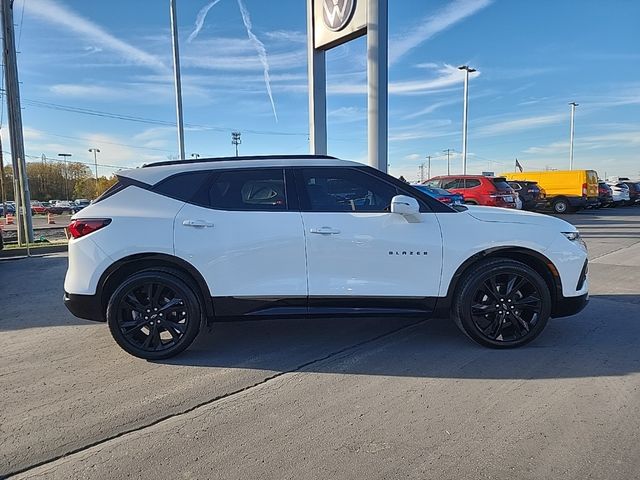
{"x": 405, "y": 205}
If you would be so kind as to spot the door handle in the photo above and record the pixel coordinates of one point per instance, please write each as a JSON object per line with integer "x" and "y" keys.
{"x": 325, "y": 231}
{"x": 197, "y": 223}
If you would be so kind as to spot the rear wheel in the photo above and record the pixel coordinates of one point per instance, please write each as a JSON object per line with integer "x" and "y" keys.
{"x": 502, "y": 303}
{"x": 154, "y": 315}
{"x": 561, "y": 205}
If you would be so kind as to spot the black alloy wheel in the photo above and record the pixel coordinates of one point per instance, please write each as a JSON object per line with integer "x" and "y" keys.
{"x": 154, "y": 315}
{"x": 502, "y": 303}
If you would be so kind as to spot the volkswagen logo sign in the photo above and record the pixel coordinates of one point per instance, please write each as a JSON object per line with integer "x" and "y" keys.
{"x": 337, "y": 13}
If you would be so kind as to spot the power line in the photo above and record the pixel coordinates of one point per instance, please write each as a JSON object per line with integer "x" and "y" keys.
{"x": 151, "y": 121}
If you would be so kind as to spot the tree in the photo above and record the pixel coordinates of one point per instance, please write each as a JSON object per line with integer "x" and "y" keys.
{"x": 59, "y": 180}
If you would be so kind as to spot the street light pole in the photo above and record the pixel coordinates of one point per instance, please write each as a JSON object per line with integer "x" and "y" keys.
{"x": 465, "y": 113}
{"x": 448, "y": 150}
{"x": 95, "y": 152}
{"x": 573, "y": 113}
{"x": 177, "y": 80}
{"x": 65, "y": 157}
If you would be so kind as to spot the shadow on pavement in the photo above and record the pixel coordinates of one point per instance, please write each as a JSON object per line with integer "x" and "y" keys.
{"x": 603, "y": 340}
{"x": 31, "y": 293}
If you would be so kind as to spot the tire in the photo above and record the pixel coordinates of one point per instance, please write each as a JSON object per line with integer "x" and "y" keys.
{"x": 154, "y": 315}
{"x": 561, "y": 206}
{"x": 521, "y": 314}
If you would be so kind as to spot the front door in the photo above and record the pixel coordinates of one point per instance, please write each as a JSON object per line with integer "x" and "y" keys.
{"x": 359, "y": 255}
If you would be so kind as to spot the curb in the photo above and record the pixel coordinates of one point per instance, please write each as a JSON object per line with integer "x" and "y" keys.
{"x": 17, "y": 253}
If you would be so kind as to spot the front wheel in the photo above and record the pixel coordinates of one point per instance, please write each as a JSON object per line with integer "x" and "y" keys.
{"x": 154, "y": 315}
{"x": 502, "y": 303}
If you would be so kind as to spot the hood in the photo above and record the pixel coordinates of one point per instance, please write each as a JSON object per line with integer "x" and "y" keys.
{"x": 510, "y": 215}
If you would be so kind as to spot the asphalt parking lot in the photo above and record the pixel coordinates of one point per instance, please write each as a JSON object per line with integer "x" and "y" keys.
{"x": 369, "y": 398}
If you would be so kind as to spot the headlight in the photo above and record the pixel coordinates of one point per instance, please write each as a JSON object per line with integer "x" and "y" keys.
{"x": 575, "y": 237}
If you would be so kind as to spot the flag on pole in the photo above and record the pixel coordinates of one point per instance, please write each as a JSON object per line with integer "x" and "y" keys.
{"x": 518, "y": 166}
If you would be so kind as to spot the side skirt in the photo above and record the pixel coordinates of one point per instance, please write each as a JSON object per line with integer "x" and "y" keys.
{"x": 229, "y": 308}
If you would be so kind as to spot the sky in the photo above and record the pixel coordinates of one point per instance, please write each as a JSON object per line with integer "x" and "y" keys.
{"x": 99, "y": 74}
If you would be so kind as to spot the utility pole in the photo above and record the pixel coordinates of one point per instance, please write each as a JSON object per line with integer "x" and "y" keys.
{"x": 235, "y": 140}
{"x": 95, "y": 152}
{"x": 15, "y": 122}
{"x": 428, "y": 167}
{"x": 421, "y": 172}
{"x": 465, "y": 113}
{"x": 573, "y": 113}
{"x": 65, "y": 157}
{"x": 448, "y": 150}
{"x": 176, "y": 73}
{"x": 3, "y": 191}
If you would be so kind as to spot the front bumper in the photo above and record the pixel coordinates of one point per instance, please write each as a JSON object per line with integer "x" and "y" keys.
{"x": 88, "y": 307}
{"x": 567, "y": 306}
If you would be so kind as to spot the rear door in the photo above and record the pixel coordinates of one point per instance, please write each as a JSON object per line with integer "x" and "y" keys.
{"x": 244, "y": 236}
{"x": 360, "y": 255}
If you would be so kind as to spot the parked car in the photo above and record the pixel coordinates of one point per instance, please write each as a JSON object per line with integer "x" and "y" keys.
{"x": 174, "y": 245}
{"x": 566, "y": 190}
{"x": 605, "y": 195}
{"x": 37, "y": 208}
{"x": 11, "y": 209}
{"x": 477, "y": 189}
{"x": 634, "y": 192}
{"x": 60, "y": 207}
{"x": 620, "y": 192}
{"x": 79, "y": 204}
{"x": 441, "y": 194}
{"x": 533, "y": 197}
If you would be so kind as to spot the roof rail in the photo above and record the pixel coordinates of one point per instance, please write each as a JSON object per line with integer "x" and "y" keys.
{"x": 233, "y": 159}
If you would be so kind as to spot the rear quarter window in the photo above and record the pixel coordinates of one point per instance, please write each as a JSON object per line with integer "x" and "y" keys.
{"x": 182, "y": 186}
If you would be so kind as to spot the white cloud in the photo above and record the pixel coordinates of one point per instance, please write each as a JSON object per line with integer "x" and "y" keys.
{"x": 288, "y": 36}
{"x": 200, "y": 18}
{"x": 453, "y": 13}
{"x": 347, "y": 115}
{"x": 86, "y": 91}
{"x": 619, "y": 139}
{"x": 431, "y": 108}
{"x": 518, "y": 125}
{"x": 60, "y": 15}
{"x": 447, "y": 77}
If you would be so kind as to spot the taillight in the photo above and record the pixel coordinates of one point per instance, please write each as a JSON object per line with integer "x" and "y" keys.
{"x": 81, "y": 227}
{"x": 584, "y": 189}
{"x": 444, "y": 199}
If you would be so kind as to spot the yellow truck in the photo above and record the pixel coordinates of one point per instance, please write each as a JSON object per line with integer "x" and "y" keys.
{"x": 567, "y": 190}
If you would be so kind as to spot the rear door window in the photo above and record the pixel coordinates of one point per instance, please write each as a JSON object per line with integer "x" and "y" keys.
{"x": 453, "y": 183}
{"x": 246, "y": 189}
{"x": 471, "y": 183}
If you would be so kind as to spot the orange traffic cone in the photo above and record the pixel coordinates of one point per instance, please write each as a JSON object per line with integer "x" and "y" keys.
{"x": 9, "y": 219}
{"x": 50, "y": 219}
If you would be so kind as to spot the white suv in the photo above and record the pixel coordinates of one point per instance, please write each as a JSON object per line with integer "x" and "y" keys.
{"x": 174, "y": 245}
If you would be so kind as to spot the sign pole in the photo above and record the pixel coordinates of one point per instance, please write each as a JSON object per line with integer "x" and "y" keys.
{"x": 377, "y": 76}
{"x": 317, "y": 72}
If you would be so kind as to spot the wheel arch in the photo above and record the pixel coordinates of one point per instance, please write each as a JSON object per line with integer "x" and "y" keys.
{"x": 124, "y": 267}
{"x": 539, "y": 262}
